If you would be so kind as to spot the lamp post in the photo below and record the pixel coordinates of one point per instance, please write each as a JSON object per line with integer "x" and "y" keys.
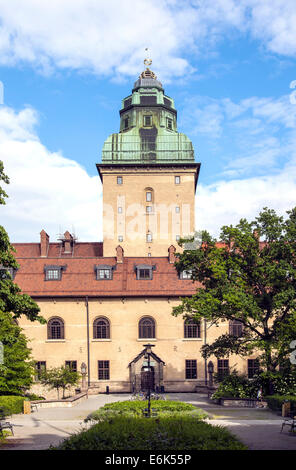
{"x": 148, "y": 354}
{"x": 210, "y": 370}
{"x": 83, "y": 373}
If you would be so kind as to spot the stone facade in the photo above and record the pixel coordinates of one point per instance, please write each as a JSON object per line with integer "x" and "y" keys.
{"x": 105, "y": 301}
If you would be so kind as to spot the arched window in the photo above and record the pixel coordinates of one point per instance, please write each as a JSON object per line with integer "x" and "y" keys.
{"x": 55, "y": 328}
{"x": 101, "y": 328}
{"x": 235, "y": 328}
{"x": 191, "y": 329}
{"x": 147, "y": 328}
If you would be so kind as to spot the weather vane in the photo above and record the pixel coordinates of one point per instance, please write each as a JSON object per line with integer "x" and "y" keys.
{"x": 147, "y": 61}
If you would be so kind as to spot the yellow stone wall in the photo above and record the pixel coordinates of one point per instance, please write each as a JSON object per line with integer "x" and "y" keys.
{"x": 164, "y": 223}
{"x": 124, "y": 345}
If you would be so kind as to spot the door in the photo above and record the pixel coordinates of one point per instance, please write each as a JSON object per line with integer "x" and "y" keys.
{"x": 147, "y": 379}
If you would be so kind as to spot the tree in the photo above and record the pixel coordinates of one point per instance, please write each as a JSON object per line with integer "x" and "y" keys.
{"x": 17, "y": 369}
{"x": 60, "y": 378}
{"x": 11, "y": 299}
{"x": 250, "y": 281}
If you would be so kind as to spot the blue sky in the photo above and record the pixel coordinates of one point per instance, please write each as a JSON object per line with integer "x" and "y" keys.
{"x": 65, "y": 66}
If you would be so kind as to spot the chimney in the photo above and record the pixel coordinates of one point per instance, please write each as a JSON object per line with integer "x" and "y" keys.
{"x": 68, "y": 239}
{"x": 119, "y": 254}
{"x": 44, "y": 244}
{"x": 172, "y": 251}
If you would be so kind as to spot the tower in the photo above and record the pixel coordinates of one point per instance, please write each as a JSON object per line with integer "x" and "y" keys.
{"x": 149, "y": 175}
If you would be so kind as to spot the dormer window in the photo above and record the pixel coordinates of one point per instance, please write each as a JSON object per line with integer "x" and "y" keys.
{"x": 104, "y": 272}
{"x": 186, "y": 274}
{"x": 144, "y": 271}
{"x": 53, "y": 273}
{"x": 6, "y": 272}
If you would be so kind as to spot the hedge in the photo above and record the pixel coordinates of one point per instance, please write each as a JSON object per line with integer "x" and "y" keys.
{"x": 170, "y": 433}
{"x": 275, "y": 402}
{"x": 12, "y": 404}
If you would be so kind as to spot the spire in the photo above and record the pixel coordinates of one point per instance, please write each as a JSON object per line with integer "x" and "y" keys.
{"x": 147, "y": 78}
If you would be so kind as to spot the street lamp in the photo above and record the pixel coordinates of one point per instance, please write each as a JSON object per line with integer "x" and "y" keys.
{"x": 147, "y": 355}
{"x": 83, "y": 369}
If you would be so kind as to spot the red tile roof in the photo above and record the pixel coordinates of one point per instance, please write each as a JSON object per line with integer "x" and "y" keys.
{"x": 79, "y": 277}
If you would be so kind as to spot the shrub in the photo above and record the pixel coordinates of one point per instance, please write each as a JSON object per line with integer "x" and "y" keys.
{"x": 275, "y": 402}
{"x": 235, "y": 385}
{"x": 166, "y": 433}
{"x": 12, "y": 404}
{"x": 136, "y": 407}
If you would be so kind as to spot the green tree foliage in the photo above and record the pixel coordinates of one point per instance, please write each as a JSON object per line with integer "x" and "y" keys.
{"x": 250, "y": 281}
{"x": 17, "y": 369}
{"x": 60, "y": 378}
{"x": 11, "y": 298}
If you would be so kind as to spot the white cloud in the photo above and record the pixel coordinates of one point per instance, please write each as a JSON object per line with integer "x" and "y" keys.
{"x": 226, "y": 202}
{"x": 46, "y": 189}
{"x": 109, "y": 38}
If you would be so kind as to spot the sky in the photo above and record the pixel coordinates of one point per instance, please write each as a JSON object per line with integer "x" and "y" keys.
{"x": 65, "y": 66}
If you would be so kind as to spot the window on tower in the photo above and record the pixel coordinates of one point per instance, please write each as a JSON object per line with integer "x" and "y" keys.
{"x": 169, "y": 123}
{"x": 147, "y": 121}
{"x": 126, "y": 122}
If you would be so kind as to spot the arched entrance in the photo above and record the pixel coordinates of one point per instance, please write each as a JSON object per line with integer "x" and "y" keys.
{"x": 147, "y": 379}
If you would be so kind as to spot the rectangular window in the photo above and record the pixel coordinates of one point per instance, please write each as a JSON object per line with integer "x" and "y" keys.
{"x": 52, "y": 274}
{"x": 40, "y": 367}
{"x": 177, "y": 238}
{"x": 186, "y": 274}
{"x": 148, "y": 196}
{"x": 119, "y": 210}
{"x": 126, "y": 123}
{"x": 177, "y": 209}
{"x": 147, "y": 121}
{"x": 149, "y": 237}
{"x": 144, "y": 274}
{"x": 103, "y": 370}
{"x": 119, "y": 179}
{"x": 223, "y": 369}
{"x": 148, "y": 209}
{"x": 169, "y": 123}
{"x": 104, "y": 274}
{"x": 253, "y": 367}
{"x": 191, "y": 329}
{"x": 177, "y": 179}
{"x": 190, "y": 369}
{"x": 120, "y": 238}
{"x": 72, "y": 365}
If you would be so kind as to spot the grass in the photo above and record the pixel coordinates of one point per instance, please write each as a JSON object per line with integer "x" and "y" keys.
{"x": 178, "y": 426}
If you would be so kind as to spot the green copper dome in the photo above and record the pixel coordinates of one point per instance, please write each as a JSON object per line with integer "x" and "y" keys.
{"x": 148, "y": 128}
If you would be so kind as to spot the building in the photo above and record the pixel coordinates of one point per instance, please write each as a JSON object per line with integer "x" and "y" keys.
{"x": 105, "y": 301}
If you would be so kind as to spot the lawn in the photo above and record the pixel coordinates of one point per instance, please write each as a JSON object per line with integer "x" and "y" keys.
{"x": 180, "y": 426}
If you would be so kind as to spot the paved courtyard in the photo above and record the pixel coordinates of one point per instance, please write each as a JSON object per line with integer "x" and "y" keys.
{"x": 259, "y": 429}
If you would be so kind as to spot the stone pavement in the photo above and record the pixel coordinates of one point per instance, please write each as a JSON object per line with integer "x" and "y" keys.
{"x": 49, "y": 426}
{"x": 259, "y": 429}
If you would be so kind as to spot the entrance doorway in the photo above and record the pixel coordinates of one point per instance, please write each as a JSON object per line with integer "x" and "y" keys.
{"x": 147, "y": 379}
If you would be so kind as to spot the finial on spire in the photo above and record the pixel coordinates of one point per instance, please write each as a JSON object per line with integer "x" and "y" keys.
{"x": 147, "y": 61}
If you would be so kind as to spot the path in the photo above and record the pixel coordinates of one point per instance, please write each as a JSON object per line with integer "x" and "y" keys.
{"x": 259, "y": 429}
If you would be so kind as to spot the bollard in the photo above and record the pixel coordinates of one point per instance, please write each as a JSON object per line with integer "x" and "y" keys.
{"x": 286, "y": 408}
{"x": 27, "y": 407}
